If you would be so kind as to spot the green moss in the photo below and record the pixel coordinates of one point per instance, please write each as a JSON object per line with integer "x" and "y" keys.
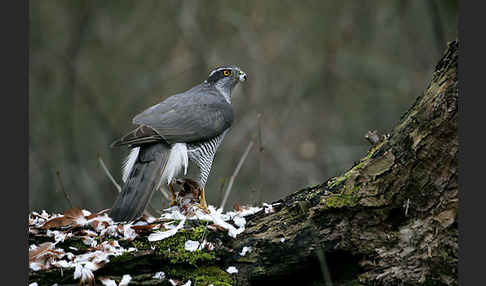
{"x": 348, "y": 197}
{"x": 173, "y": 249}
{"x": 346, "y": 193}
{"x": 333, "y": 182}
{"x": 202, "y": 275}
{"x": 126, "y": 256}
{"x": 312, "y": 194}
{"x": 339, "y": 180}
{"x": 258, "y": 271}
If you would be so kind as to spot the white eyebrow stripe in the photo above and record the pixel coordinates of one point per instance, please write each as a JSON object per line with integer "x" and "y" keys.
{"x": 216, "y": 70}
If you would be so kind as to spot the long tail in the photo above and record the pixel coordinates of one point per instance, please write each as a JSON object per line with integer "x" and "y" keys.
{"x": 147, "y": 168}
{"x": 143, "y": 179}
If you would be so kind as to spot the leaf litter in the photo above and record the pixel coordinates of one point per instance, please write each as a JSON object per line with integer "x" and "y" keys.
{"x": 100, "y": 234}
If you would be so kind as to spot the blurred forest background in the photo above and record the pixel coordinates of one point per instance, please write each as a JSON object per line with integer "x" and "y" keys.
{"x": 321, "y": 74}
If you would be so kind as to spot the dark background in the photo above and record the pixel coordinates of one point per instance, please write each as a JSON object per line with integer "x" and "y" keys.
{"x": 321, "y": 73}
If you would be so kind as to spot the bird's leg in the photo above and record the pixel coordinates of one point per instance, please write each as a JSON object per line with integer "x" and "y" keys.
{"x": 202, "y": 201}
{"x": 173, "y": 200}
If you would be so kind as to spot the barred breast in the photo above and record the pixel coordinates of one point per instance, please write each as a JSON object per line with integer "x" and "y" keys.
{"x": 202, "y": 153}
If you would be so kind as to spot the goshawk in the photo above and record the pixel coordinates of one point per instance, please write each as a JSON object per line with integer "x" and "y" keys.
{"x": 186, "y": 126}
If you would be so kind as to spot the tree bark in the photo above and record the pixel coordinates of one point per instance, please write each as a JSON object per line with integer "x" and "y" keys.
{"x": 389, "y": 220}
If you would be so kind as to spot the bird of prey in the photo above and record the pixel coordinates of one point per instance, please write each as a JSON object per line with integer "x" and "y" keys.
{"x": 185, "y": 126}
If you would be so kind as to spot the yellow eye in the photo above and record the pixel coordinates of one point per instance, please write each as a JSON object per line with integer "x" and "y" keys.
{"x": 226, "y": 72}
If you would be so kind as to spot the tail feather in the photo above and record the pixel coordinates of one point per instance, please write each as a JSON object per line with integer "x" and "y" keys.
{"x": 144, "y": 178}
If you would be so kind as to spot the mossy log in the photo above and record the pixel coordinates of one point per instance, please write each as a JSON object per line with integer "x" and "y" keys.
{"x": 390, "y": 220}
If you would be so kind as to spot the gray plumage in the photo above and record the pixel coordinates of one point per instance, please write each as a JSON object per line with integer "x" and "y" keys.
{"x": 189, "y": 125}
{"x": 138, "y": 189}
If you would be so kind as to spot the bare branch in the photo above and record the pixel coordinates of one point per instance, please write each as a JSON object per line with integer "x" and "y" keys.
{"x": 66, "y": 195}
{"x": 221, "y": 188}
{"x": 235, "y": 173}
{"x": 117, "y": 186}
{"x": 260, "y": 159}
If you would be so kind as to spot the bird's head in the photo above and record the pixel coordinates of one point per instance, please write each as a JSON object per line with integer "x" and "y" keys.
{"x": 226, "y": 77}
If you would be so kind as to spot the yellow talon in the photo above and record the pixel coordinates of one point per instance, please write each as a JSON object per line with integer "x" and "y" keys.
{"x": 202, "y": 202}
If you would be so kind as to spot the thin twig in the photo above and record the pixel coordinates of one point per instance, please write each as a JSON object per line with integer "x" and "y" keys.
{"x": 260, "y": 159}
{"x": 235, "y": 173}
{"x": 66, "y": 195}
{"x": 117, "y": 186}
{"x": 259, "y": 117}
{"x": 221, "y": 188}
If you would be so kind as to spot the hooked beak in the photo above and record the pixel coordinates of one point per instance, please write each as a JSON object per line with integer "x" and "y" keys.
{"x": 243, "y": 76}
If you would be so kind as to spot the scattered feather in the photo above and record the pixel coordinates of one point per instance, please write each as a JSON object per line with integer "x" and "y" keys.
{"x": 107, "y": 281}
{"x": 159, "y": 275}
{"x": 268, "y": 208}
{"x": 86, "y": 212}
{"x": 89, "y": 241}
{"x": 101, "y": 234}
{"x": 191, "y": 245}
{"x": 159, "y": 235}
{"x": 128, "y": 232}
{"x": 125, "y": 280}
{"x": 232, "y": 270}
{"x": 239, "y": 221}
{"x": 245, "y": 250}
{"x": 84, "y": 272}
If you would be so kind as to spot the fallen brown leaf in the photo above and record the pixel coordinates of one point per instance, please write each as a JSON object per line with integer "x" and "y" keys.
{"x": 57, "y": 222}
{"x": 93, "y": 215}
{"x": 40, "y": 250}
{"x": 144, "y": 227}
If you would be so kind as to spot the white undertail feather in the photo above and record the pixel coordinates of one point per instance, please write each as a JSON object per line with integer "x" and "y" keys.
{"x": 129, "y": 162}
{"x": 178, "y": 159}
